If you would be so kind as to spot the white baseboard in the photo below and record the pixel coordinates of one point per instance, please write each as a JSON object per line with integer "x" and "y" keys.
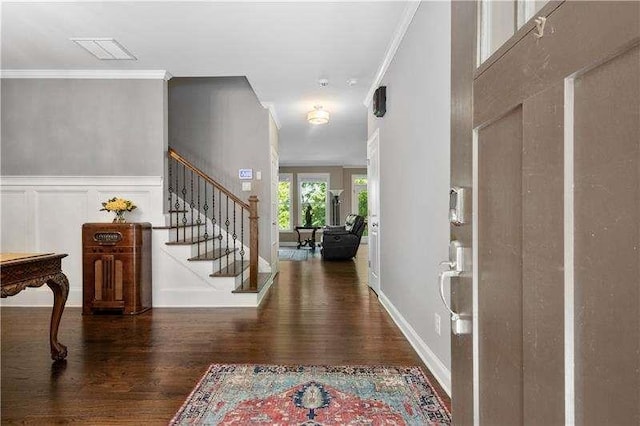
{"x": 202, "y": 298}
{"x": 265, "y": 289}
{"x": 437, "y": 367}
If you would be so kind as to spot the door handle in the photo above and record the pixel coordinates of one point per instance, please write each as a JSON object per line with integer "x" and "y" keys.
{"x": 441, "y": 276}
{"x": 448, "y": 263}
{"x": 460, "y": 323}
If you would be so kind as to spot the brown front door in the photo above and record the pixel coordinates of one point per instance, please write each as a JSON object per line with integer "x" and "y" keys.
{"x": 556, "y": 178}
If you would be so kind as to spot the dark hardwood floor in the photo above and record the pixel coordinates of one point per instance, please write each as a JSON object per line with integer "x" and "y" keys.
{"x": 139, "y": 369}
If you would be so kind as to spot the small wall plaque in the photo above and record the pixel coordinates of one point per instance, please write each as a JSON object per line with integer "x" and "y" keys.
{"x": 245, "y": 174}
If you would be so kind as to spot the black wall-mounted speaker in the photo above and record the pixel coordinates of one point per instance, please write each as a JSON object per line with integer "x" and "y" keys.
{"x": 380, "y": 101}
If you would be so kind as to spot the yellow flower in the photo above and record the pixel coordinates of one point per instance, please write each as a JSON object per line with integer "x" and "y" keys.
{"x": 118, "y": 205}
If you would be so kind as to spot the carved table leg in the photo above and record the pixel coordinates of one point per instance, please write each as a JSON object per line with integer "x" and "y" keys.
{"x": 60, "y": 287}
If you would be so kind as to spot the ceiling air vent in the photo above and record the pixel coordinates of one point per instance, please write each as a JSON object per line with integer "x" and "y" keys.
{"x": 104, "y": 48}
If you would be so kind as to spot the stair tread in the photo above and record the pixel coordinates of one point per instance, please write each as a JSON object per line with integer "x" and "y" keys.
{"x": 233, "y": 270}
{"x": 263, "y": 278}
{"x": 190, "y": 241}
{"x": 188, "y": 225}
{"x": 212, "y": 255}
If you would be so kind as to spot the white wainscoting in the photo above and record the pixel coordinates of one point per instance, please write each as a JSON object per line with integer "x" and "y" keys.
{"x": 45, "y": 214}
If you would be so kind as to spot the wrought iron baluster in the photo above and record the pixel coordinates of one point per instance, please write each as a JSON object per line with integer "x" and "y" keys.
{"x": 235, "y": 237}
{"x": 177, "y": 204}
{"x": 214, "y": 221}
{"x": 184, "y": 202}
{"x": 192, "y": 205}
{"x": 206, "y": 209}
{"x": 226, "y": 224}
{"x": 199, "y": 221}
{"x": 220, "y": 228}
{"x": 170, "y": 204}
{"x": 242, "y": 246}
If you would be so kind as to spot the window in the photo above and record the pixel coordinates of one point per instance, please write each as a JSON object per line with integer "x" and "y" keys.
{"x": 313, "y": 189}
{"x": 359, "y": 199}
{"x": 285, "y": 191}
{"x": 500, "y": 19}
{"x": 527, "y": 9}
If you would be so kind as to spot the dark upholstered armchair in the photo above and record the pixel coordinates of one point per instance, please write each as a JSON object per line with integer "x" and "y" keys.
{"x": 342, "y": 242}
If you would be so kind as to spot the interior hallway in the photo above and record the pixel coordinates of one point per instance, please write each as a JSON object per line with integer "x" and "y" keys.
{"x": 140, "y": 369}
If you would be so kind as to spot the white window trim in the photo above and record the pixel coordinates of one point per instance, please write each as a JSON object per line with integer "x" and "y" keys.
{"x": 301, "y": 177}
{"x": 354, "y": 200}
{"x": 287, "y": 177}
{"x": 524, "y": 11}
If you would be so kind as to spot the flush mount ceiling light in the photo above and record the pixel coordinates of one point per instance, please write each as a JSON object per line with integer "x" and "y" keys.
{"x": 318, "y": 115}
{"x": 104, "y": 48}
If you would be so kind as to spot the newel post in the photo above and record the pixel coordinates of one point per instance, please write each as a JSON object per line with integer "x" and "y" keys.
{"x": 253, "y": 242}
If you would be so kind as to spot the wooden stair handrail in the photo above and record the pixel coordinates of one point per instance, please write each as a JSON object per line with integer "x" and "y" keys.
{"x": 179, "y": 158}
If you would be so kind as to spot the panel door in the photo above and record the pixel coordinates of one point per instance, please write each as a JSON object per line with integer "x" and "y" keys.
{"x": 373, "y": 189}
{"x": 556, "y": 180}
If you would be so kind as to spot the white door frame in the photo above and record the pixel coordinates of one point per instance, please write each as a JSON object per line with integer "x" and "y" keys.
{"x": 275, "y": 230}
{"x": 373, "y": 189}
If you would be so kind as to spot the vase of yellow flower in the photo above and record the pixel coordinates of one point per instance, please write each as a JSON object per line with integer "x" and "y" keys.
{"x": 118, "y": 206}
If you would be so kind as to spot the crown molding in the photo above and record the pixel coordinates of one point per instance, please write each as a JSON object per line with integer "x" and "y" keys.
{"x": 89, "y": 74}
{"x": 272, "y": 110}
{"x": 407, "y": 16}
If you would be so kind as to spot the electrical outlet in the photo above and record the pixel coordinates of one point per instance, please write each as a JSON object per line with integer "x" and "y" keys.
{"x": 436, "y": 323}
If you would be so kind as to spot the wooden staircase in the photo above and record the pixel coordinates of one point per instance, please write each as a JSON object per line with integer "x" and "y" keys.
{"x": 220, "y": 228}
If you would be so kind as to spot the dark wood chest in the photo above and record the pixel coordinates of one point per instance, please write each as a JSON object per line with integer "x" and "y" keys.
{"x": 116, "y": 263}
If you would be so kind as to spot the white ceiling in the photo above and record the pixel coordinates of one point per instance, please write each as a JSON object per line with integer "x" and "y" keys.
{"x": 282, "y": 48}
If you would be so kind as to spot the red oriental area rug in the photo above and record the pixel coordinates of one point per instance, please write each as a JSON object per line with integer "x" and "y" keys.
{"x": 312, "y": 395}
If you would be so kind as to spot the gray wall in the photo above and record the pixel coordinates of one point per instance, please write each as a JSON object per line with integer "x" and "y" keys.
{"x": 218, "y": 124}
{"x": 83, "y": 127}
{"x": 414, "y": 174}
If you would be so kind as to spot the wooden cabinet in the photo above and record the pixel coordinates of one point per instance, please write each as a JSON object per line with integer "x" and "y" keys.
{"x": 116, "y": 263}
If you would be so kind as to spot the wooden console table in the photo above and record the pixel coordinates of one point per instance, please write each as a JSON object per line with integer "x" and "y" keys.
{"x": 311, "y": 242}
{"x": 21, "y": 270}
